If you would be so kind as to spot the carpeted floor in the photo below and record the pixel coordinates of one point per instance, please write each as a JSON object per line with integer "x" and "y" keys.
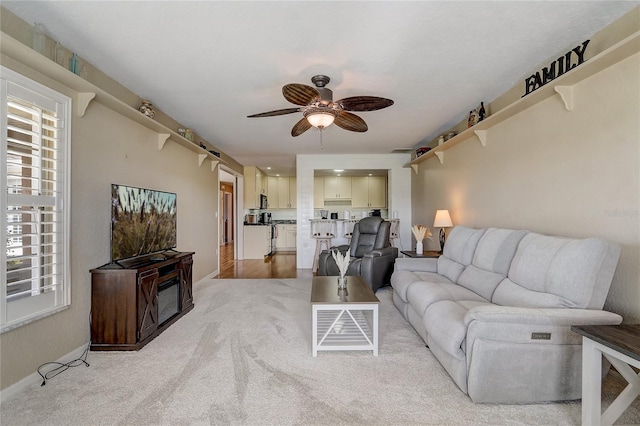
{"x": 243, "y": 356}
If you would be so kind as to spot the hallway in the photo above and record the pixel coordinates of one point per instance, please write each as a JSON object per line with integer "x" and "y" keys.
{"x": 280, "y": 265}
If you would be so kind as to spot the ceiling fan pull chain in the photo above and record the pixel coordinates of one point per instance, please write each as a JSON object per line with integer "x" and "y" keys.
{"x": 321, "y": 144}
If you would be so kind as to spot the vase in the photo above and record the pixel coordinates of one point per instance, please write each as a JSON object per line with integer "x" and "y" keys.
{"x": 419, "y": 249}
{"x": 147, "y": 109}
{"x": 342, "y": 283}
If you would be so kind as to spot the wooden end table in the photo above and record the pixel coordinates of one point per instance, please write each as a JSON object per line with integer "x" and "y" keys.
{"x": 343, "y": 320}
{"x": 409, "y": 253}
{"x": 620, "y": 344}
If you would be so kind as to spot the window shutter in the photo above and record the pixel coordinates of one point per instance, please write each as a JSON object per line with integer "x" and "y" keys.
{"x": 34, "y": 181}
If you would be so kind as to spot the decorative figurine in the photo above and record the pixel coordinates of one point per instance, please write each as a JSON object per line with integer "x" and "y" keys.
{"x": 147, "y": 109}
{"x": 481, "y": 112}
{"x": 188, "y": 134}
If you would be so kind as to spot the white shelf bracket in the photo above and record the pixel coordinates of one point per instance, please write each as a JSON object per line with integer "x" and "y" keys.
{"x": 415, "y": 168}
{"x": 482, "y": 135}
{"x": 440, "y": 155}
{"x": 162, "y": 139}
{"x": 201, "y": 158}
{"x": 214, "y": 164}
{"x": 84, "y": 98}
{"x": 566, "y": 93}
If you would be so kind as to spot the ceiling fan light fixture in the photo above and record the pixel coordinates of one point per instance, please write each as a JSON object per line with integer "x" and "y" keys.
{"x": 320, "y": 119}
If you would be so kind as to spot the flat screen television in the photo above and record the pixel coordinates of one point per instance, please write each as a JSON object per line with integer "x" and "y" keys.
{"x": 143, "y": 221}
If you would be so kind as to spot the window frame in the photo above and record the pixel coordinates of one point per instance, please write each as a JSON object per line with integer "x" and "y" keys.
{"x": 21, "y": 311}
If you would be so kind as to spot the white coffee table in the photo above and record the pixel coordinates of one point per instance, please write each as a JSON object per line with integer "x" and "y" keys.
{"x": 343, "y": 320}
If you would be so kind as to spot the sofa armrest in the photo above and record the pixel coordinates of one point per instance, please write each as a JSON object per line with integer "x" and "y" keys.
{"x": 419, "y": 264}
{"x": 541, "y": 316}
{"x": 387, "y": 251}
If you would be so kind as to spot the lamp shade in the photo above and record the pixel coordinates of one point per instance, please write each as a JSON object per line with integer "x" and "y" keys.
{"x": 320, "y": 119}
{"x": 443, "y": 220}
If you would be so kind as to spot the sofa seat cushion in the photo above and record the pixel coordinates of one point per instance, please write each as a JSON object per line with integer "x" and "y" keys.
{"x": 554, "y": 272}
{"x": 445, "y": 324}
{"x": 402, "y": 280}
{"x": 491, "y": 261}
{"x": 422, "y": 294}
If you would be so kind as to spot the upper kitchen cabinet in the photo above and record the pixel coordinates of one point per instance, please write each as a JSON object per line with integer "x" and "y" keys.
{"x": 286, "y": 193}
{"x": 369, "y": 192}
{"x": 273, "y": 195}
{"x": 254, "y": 186}
{"x": 318, "y": 193}
{"x": 337, "y": 188}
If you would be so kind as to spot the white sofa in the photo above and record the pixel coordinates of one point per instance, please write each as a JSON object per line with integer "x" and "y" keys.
{"x": 496, "y": 309}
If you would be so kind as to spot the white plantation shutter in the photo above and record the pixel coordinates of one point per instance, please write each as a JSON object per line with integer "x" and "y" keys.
{"x": 35, "y": 180}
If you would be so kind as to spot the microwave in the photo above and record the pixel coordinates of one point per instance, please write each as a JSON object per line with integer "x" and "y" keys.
{"x": 263, "y": 201}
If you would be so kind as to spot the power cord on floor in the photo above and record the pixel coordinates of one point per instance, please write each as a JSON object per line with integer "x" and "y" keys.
{"x": 61, "y": 367}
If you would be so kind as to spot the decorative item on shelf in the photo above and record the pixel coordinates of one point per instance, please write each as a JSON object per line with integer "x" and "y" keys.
{"x": 420, "y": 232}
{"x": 188, "y": 134}
{"x": 83, "y": 72}
{"x": 74, "y": 64}
{"x": 147, "y": 109}
{"x": 58, "y": 54}
{"x": 216, "y": 153}
{"x": 440, "y": 140}
{"x": 203, "y": 146}
{"x": 422, "y": 150}
{"x": 181, "y": 131}
{"x": 442, "y": 220}
{"x": 342, "y": 261}
{"x": 39, "y": 40}
{"x": 449, "y": 135}
{"x": 482, "y": 113}
{"x": 473, "y": 118}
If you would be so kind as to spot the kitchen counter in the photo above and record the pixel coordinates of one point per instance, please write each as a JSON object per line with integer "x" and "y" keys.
{"x": 285, "y": 222}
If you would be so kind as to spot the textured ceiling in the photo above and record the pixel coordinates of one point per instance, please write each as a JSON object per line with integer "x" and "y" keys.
{"x": 209, "y": 64}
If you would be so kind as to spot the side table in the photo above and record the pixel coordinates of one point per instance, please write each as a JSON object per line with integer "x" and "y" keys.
{"x": 408, "y": 253}
{"x": 620, "y": 344}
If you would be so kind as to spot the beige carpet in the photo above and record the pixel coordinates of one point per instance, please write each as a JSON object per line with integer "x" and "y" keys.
{"x": 243, "y": 356}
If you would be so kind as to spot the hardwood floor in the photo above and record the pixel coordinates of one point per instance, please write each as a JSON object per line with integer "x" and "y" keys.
{"x": 280, "y": 265}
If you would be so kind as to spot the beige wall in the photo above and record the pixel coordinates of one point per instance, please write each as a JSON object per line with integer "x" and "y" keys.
{"x": 552, "y": 171}
{"x": 108, "y": 148}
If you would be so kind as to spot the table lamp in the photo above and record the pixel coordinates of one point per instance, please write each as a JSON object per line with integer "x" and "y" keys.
{"x": 443, "y": 220}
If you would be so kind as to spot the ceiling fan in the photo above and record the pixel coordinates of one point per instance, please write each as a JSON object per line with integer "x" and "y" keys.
{"x": 319, "y": 109}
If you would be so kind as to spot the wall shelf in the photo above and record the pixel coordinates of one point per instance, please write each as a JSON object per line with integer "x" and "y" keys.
{"x": 87, "y": 92}
{"x": 561, "y": 86}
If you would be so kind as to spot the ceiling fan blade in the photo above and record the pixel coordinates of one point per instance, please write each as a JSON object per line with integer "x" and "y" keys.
{"x": 351, "y": 122}
{"x": 300, "y": 94}
{"x": 300, "y": 127}
{"x": 364, "y": 103}
{"x": 275, "y": 113}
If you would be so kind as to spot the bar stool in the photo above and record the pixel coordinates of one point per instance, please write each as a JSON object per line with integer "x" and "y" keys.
{"x": 394, "y": 232}
{"x": 323, "y": 231}
{"x": 348, "y": 226}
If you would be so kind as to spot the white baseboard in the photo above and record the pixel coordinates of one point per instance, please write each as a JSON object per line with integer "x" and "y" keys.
{"x": 34, "y": 378}
{"x": 208, "y": 277}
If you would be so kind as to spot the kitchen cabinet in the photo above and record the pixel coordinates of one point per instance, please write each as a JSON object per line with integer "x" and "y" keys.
{"x": 318, "y": 192}
{"x": 254, "y": 185}
{"x": 337, "y": 188}
{"x": 257, "y": 241}
{"x": 273, "y": 195}
{"x": 287, "y": 193}
{"x": 369, "y": 192}
{"x": 287, "y": 234}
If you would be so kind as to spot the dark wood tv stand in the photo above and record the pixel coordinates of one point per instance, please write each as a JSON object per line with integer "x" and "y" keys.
{"x": 134, "y": 301}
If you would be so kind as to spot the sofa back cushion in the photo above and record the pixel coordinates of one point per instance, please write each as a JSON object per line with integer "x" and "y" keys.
{"x": 458, "y": 251}
{"x": 554, "y": 272}
{"x": 491, "y": 261}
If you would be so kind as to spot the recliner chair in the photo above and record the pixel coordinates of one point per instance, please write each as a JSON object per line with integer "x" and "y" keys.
{"x": 372, "y": 257}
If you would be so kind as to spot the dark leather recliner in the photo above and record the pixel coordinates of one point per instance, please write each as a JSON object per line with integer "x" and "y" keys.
{"x": 372, "y": 256}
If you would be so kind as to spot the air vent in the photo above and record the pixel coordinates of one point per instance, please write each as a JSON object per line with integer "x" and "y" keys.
{"x": 401, "y": 150}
